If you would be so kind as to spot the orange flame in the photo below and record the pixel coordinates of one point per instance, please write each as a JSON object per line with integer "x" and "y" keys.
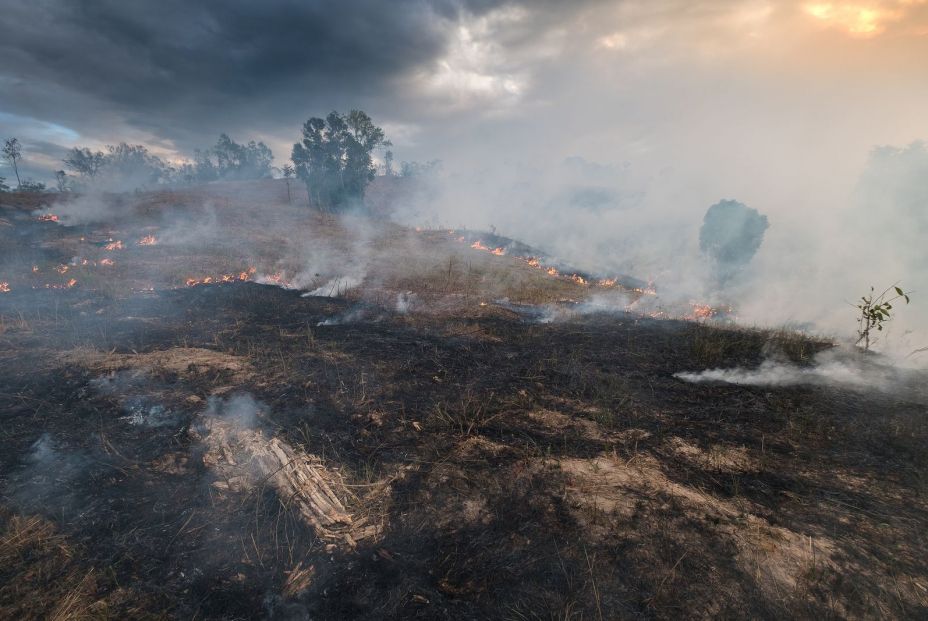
{"x": 498, "y": 251}
{"x": 48, "y": 217}
{"x": 701, "y": 311}
{"x": 477, "y": 245}
{"x": 207, "y": 280}
{"x": 107, "y": 262}
{"x": 61, "y": 269}
{"x": 4, "y": 287}
{"x": 114, "y": 245}
{"x": 148, "y": 240}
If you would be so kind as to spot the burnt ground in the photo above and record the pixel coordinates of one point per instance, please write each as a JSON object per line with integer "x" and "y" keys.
{"x": 492, "y": 466}
{"x": 496, "y": 439}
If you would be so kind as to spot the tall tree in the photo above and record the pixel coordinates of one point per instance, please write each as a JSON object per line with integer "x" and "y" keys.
{"x": 13, "y": 152}
{"x": 335, "y": 160}
{"x": 84, "y": 162}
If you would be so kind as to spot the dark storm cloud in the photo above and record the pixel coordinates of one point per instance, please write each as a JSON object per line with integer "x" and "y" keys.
{"x": 183, "y": 70}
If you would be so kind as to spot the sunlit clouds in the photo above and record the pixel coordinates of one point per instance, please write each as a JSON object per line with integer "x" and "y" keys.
{"x": 861, "y": 19}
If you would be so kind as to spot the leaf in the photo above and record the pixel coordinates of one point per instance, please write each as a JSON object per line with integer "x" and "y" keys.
{"x": 898, "y": 290}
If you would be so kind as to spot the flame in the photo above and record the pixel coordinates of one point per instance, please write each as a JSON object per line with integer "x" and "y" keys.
{"x": 4, "y": 287}
{"x": 35, "y": 269}
{"x": 702, "y": 311}
{"x": 71, "y": 283}
{"x": 148, "y": 240}
{"x": 551, "y": 271}
{"x": 61, "y": 269}
{"x": 48, "y": 217}
{"x": 107, "y": 262}
{"x": 207, "y": 280}
{"x": 114, "y": 245}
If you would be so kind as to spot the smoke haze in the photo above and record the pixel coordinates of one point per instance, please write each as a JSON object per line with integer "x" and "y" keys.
{"x": 599, "y": 131}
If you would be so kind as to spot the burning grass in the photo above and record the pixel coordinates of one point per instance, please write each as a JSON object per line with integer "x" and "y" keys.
{"x": 421, "y": 444}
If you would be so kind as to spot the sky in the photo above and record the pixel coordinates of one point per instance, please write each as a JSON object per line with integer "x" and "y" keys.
{"x": 645, "y": 81}
{"x": 671, "y": 104}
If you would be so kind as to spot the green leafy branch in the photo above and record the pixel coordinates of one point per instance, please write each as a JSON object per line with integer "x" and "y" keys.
{"x": 875, "y": 311}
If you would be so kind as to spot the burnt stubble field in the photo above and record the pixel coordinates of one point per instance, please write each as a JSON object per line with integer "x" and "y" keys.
{"x": 237, "y": 450}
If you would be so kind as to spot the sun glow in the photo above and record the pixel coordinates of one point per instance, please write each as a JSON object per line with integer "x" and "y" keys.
{"x": 859, "y": 19}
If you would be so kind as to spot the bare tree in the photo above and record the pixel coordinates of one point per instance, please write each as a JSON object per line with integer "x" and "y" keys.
{"x": 13, "y": 152}
{"x": 288, "y": 172}
{"x": 61, "y": 180}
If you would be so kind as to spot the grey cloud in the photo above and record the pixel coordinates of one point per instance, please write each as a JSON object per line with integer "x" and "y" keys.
{"x": 183, "y": 71}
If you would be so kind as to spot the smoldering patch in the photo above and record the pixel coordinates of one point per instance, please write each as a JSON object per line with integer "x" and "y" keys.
{"x": 839, "y": 366}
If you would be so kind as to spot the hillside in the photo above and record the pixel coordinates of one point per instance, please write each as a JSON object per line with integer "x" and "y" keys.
{"x": 219, "y": 404}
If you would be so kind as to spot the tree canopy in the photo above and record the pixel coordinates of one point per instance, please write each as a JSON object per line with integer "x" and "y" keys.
{"x": 335, "y": 159}
{"x": 730, "y": 235}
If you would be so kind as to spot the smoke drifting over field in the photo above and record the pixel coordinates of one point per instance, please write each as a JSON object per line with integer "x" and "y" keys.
{"x": 599, "y": 131}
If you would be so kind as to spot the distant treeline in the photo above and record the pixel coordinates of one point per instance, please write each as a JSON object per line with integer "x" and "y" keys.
{"x": 334, "y": 158}
{"x": 135, "y": 166}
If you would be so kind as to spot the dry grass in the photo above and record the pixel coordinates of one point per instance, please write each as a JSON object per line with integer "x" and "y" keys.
{"x": 504, "y": 468}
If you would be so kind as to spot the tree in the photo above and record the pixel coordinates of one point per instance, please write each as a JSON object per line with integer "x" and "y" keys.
{"x": 419, "y": 169}
{"x": 133, "y": 164}
{"x": 31, "y": 186}
{"x": 85, "y": 162}
{"x": 388, "y": 164}
{"x": 238, "y": 161}
{"x": 204, "y": 168}
{"x": 334, "y": 158}
{"x": 730, "y": 235}
{"x": 288, "y": 171}
{"x": 61, "y": 180}
{"x": 13, "y": 152}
